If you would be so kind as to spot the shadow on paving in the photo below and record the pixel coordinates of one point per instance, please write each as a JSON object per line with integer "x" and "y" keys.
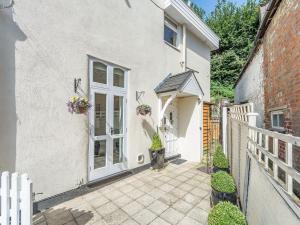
{"x": 63, "y": 216}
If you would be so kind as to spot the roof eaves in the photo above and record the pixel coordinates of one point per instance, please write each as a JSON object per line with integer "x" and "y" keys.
{"x": 186, "y": 12}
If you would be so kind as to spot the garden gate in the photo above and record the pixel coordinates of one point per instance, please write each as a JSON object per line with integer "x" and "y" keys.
{"x": 16, "y": 199}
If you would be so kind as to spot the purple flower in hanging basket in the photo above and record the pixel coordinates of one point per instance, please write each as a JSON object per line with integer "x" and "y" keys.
{"x": 78, "y": 105}
{"x": 143, "y": 110}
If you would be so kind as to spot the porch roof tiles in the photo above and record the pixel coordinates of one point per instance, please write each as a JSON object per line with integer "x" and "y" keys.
{"x": 173, "y": 82}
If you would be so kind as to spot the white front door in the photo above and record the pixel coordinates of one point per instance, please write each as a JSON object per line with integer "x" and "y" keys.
{"x": 170, "y": 121}
{"x": 107, "y": 120}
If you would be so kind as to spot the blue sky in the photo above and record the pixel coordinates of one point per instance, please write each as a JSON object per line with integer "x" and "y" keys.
{"x": 209, "y": 5}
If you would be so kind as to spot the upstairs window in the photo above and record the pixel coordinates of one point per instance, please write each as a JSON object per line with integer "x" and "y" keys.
{"x": 277, "y": 120}
{"x": 170, "y": 32}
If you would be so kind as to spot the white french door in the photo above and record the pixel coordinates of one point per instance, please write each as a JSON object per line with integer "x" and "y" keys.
{"x": 171, "y": 129}
{"x": 107, "y": 120}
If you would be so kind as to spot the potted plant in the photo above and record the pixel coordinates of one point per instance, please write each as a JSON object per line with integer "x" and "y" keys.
{"x": 78, "y": 105}
{"x": 226, "y": 213}
{"x": 157, "y": 152}
{"x": 143, "y": 110}
{"x": 223, "y": 188}
{"x": 220, "y": 162}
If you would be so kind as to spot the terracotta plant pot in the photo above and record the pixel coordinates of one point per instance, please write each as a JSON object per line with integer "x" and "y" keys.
{"x": 157, "y": 158}
{"x": 82, "y": 110}
{"x": 217, "y": 196}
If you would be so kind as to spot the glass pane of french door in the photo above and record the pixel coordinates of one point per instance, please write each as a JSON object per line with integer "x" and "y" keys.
{"x": 118, "y": 128}
{"x": 100, "y": 114}
{"x": 99, "y": 154}
{"x": 100, "y": 142}
{"x": 118, "y": 150}
{"x": 118, "y": 115}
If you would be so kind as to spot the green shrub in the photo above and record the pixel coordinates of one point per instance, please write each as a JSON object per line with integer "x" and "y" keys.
{"x": 156, "y": 143}
{"x": 223, "y": 182}
{"x": 226, "y": 213}
{"x": 219, "y": 158}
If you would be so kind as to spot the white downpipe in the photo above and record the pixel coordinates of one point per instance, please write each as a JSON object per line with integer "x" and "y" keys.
{"x": 183, "y": 47}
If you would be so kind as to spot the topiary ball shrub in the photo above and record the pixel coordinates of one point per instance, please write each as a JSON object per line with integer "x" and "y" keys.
{"x": 223, "y": 182}
{"x": 226, "y": 213}
{"x": 223, "y": 188}
{"x": 220, "y": 162}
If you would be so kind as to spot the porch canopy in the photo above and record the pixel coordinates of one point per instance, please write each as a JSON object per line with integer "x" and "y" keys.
{"x": 178, "y": 85}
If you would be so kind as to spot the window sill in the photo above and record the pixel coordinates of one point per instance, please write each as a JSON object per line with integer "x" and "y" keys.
{"x": 172, "y": 46}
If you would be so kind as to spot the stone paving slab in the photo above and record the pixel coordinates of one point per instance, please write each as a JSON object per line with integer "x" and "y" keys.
{"x": 178, "y": 194}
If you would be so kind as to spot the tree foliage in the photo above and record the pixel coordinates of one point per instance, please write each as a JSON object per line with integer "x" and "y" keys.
{"x": 197, "y": 9}
{"x": 237, "y": 27}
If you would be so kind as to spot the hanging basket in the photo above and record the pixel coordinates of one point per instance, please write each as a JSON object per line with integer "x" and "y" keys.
{"x": 143, "y": 110}
{"x": 78, "y": 105}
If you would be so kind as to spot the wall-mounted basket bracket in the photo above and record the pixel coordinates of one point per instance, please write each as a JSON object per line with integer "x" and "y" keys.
{"x": 77, "y": 83}
{"x": 139, "y": 94}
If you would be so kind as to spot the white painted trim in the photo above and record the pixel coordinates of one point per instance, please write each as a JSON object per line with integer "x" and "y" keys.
{"x": 277, "y": 112}
{"x": 194, "y": 21}
{"x": 174, "y": 29}
{"x": 109, "y": 90}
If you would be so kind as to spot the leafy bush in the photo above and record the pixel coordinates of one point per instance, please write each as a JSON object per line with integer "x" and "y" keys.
{"x": 156, "y": 143}
{"x": 219, "y": 158}
{"x": 223, "y": 182}
{"x": 226, "y": 213}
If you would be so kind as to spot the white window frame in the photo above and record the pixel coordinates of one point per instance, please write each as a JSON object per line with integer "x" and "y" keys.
{"x": 175, "y": 29}
{"x": 277, "y": 113}
{"x": 109, "y": 90}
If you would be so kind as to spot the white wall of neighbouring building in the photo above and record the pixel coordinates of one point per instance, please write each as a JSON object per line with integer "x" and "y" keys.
{"x": 250, "y": 86}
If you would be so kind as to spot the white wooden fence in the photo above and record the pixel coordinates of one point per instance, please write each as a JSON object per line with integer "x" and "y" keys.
{"x": 268, "y": 183}
{"x": 16, "y": 199}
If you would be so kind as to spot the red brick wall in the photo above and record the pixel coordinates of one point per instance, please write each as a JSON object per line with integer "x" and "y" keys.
{"x": 281, "y": 67}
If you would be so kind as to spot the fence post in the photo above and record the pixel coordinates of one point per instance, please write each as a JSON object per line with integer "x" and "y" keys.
{"x": 224, "y": 130}
{"x": 26, "y": 199}
{"x": 5, "y": 198}
{"x": 290, "y": 164}
{"x": 15, "y": 198}
{"x": 252, "y": 119}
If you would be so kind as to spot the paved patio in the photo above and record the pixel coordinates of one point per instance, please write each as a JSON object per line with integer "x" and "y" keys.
{"x": 179, "y": 194}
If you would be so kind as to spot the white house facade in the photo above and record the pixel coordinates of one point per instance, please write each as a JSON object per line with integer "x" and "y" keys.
{"x": 122, "y": 53}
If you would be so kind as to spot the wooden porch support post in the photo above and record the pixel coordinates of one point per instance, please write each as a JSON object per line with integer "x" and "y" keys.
{"x": 170, "y": 99}
{"x": 159, "y": 109}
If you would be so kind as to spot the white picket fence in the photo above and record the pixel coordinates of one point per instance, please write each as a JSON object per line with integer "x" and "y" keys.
{"x": 16, "y": 199}
{"x": 263, "y": 166}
